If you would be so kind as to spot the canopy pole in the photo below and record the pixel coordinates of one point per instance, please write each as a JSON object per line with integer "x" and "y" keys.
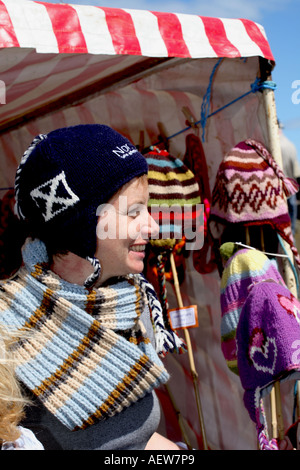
{"x": 190, "y": 354}
{"x": 275, "y": 150}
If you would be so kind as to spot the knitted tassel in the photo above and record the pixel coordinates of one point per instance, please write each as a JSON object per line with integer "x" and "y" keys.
{"x": 266, "y": 444}
{"x": 290, "y": 186}
{"x": 95, "y": 276}
{"x": 24, "y": 158}
{"x": 165, "y": 340}
{"x": 161, "y": 260}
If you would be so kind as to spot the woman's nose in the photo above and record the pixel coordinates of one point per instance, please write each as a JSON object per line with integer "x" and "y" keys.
{"x": 150, "y": 229}
{"x": 154, "y": 227}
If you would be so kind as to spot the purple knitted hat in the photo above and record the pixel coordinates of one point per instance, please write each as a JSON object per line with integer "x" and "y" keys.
{"x": 244, "y": 268}
{"x": 268, "y": 344}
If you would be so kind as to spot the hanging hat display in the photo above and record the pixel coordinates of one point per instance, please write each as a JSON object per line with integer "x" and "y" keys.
{"x": 172, "y": 185}
{"x": 173, "y": 199}
{"x": 268, "y": 339}
{"x": 250, "y": 189}
{"x": 194, "y": 158}
{"x": 242, "y": 270}
{"x": 174, "y": 203}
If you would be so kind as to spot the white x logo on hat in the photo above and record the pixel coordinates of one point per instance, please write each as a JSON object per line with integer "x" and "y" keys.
{"x": 54, "y": 196}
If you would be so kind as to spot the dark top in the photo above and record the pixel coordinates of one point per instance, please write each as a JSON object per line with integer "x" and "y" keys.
{"x": 128, "y": 430}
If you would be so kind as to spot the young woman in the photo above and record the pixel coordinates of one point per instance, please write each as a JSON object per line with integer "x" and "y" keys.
{"x": 92, "y": 359}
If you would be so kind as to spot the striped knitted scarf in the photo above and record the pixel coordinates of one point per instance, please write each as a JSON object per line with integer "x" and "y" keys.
{"x": 87, "y": 356}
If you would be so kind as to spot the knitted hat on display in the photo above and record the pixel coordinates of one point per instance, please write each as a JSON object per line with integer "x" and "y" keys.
{"x": 268, "y": 339}
{"x": 203, "y": 259}
{"x": 174, "y": 203}
{"x": 245, "y": 268}
{"x": 172, "y": 185}
{"x": 251, "y": 189}
{"x": 65, "y": 175}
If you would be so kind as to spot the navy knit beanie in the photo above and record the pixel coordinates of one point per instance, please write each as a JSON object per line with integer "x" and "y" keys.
{"x": 65, "y": 175}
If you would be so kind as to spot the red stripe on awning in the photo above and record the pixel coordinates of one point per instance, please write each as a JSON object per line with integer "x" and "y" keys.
{"x": 122, "y": 30}
{"x": 256, "y": 35}
{"x": 66, "y": 27}
{"x": 218, "y": 40}
{"x": 171, "y": 32}
{"x": 7, "y": 32}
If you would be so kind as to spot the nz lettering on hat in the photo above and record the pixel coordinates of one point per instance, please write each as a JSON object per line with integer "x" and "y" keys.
{"x": 124, "y": 151}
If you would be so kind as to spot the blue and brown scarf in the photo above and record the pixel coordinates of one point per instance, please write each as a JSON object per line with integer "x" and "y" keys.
{"x": 86, "y": 356}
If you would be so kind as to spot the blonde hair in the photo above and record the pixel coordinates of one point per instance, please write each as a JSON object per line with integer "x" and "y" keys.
{"x": 12, "y": 402}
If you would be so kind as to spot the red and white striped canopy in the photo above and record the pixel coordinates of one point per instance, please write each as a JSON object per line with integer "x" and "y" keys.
{"x": 50, "y": 51}
{"x": 62, "y": 28}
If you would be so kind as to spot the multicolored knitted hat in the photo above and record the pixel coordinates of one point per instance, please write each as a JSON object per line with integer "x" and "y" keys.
{"x": 172, "y": 185}
{"x": 174, "y": 203}
{"x": 65, "y": 175}
{"x": 251, "y": 189}
{"x": 245, "y": 268}
{"x": 268, "y": 344}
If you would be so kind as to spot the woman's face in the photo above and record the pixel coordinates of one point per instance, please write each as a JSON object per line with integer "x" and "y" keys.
{"x": 123, "y": 230}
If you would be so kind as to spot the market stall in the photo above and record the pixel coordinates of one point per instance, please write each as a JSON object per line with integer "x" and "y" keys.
{"x": 156, "y": 78}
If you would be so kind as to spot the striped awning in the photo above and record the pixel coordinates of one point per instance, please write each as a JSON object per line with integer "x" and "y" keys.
{"x": 62, "y": 28}
{"x": 55, "y": 54}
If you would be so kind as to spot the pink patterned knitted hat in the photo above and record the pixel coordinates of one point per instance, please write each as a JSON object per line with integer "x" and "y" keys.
{"x": 268, "y": 345}
{"x": 251, "y": 189}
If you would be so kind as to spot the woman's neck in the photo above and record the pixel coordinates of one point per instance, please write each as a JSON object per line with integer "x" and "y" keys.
{"x": 71, "y": 268}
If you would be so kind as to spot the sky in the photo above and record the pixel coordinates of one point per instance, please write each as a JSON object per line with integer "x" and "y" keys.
{"x": 280, "y": 19}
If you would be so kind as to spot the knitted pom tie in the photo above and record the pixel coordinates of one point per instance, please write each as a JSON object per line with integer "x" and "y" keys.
{"x": 24, "y": 158}
{"x": 165, "y": 340}
{"x": 264, "y": 442}
{"x": 290, "y": 186}
{"x": 95, "y": 276}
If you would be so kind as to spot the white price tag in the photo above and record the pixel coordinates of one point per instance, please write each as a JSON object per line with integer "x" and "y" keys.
{"x": 186, "y": 317}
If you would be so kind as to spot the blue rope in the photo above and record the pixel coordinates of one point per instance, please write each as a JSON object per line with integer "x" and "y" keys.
{"x": 205, "y": 107}
{"x": 257, "y": 85}
{"x": 295, "y": 401}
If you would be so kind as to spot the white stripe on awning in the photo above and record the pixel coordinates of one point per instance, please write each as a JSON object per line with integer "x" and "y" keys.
{"x": 195, "y": 36}
{"x": 32, "y": 26}
{"x": 95, "y": 30}
{"x": 148, "y": 33}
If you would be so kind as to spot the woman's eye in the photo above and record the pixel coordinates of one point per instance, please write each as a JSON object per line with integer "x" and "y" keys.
{"x": 135, "y": 211}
